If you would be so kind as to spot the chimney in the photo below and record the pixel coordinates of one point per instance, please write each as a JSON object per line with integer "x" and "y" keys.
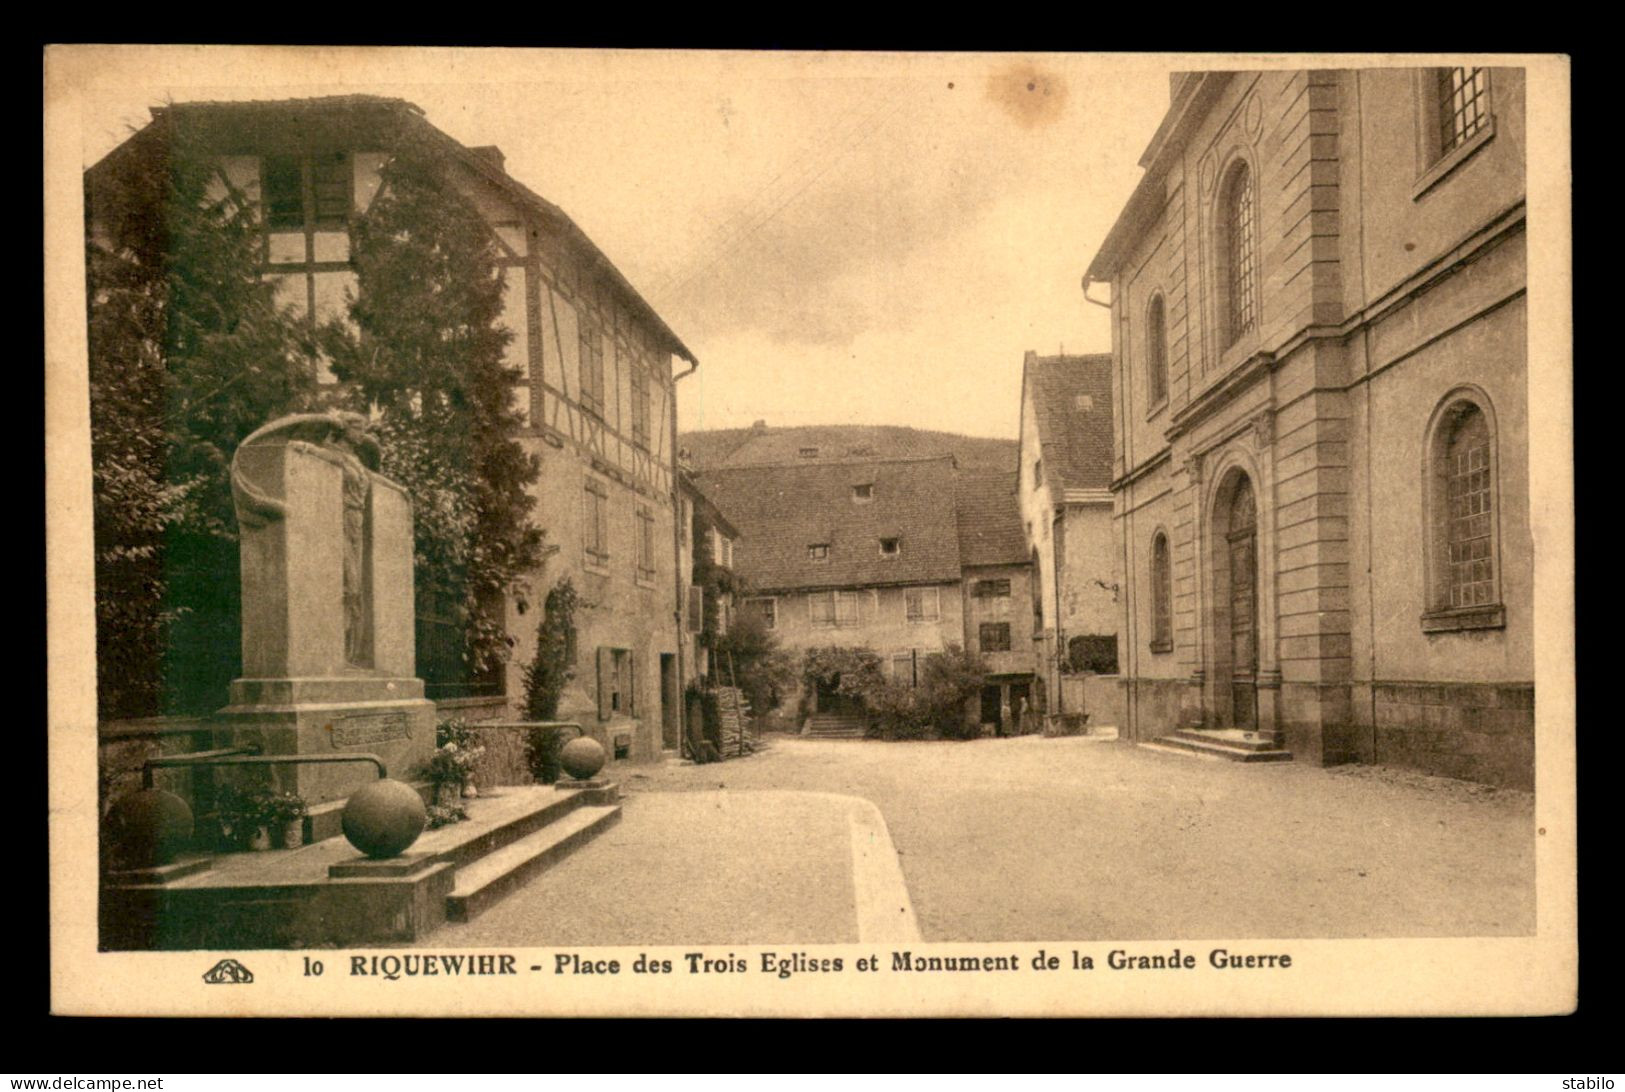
{"x": 492, "y": 155}
{"x": 759, "y": 426}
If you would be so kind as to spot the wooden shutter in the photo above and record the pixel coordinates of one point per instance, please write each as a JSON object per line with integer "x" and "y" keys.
{"x": 696, "y": 608}
{"x": 631, "y": 685}
{"x": 606, "y": 665}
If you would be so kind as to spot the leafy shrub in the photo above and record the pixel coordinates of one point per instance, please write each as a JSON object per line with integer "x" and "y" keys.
{"x": 1092, "y": 654}
{"x": 552, "y": 668}
{"x": 542, "y": 746}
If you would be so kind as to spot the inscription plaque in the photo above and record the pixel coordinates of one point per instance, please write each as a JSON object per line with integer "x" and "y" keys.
{"x": 363, "y": 729}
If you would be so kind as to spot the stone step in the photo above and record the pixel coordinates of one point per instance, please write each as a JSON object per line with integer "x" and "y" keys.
{"x": 1226, "y": 738}
{"x": 486, "y": 880}
{"x": 1207, "y": 748}
{"x": 466, "y": 853}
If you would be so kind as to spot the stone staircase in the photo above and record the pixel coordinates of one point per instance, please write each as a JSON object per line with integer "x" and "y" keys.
{"x": 835, "y": 726}
{"x": 1227, "y": 743}
{"x": 326, "y": 893}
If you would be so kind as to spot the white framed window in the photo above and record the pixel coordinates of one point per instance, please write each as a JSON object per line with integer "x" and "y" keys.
{"x": 922, "y": 604}
{"x": 818, "y": 551}
{"x": 903, "y": 668}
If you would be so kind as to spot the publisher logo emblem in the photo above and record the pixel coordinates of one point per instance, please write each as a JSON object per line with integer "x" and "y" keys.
{"x": 228, "y": 972}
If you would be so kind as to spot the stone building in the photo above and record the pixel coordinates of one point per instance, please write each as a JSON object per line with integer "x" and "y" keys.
{"x": 1320, "y": 476}
{"x": 904, "y": 557}
{"x": 996, "y": 583}
{"x": 598, "y": 367}
{"x": 1065, "y": 505}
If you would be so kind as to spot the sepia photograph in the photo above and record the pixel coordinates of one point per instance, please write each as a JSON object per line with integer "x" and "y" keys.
{"x": 809, "y": 533}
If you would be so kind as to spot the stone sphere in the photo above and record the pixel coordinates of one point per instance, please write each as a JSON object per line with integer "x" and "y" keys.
{"x": 581, "y": 758}
{"x": 384, "y": 818}
{"x": 149, "y": 827}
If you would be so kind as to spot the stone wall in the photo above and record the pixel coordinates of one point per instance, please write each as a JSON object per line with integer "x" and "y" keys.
{"x": 1480, "y": 732}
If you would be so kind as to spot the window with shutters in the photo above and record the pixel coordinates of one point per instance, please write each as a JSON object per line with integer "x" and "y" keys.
{"x": 646, "y": 544}
{"x": 696, "y": 608}
{"x": 592, "y": 365}
{"x": 617, "y": 683}
{"x": 640, "y": 405}
{"x": 922, "y": 605}
{"x": 832, "y": 609}
{"x": 595, "y": 523}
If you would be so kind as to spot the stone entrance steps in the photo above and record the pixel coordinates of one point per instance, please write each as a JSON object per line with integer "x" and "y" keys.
{"x": 835, "y": 726}
{"x": 490, "y": 877}
{"x": 1227, "y": 744}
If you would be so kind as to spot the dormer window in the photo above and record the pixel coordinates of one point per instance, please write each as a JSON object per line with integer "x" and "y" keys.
{"x": 863, "y": 493}
{"x": 891, "y": 547}
{"x": 818, "y": 551}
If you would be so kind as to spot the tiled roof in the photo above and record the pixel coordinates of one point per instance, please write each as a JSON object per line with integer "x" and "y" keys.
{"x": 1072, "y": 401}
{"x": 989, "y": 513}
{"x": 765, "y": 446}
{"x": 782, "y": 510}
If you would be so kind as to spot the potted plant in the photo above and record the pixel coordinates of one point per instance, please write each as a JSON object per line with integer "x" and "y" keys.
{"x": 243, "y": 820}
{"x": 285, "y": 815}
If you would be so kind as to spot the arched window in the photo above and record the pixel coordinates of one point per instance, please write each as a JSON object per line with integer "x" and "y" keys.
{"x": 1464, "y": 579}
{"x": 1156, "y": 344}
{"x": 1238, "y": 211}
{"x": 1162, "y": 595}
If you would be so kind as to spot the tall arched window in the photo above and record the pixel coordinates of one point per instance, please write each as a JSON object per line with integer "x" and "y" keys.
{"x": 1156, "y": 345}
{"x": 1238, "y": 211}
{"x": 1162, "y": 595}
{"x": 1464, "y": 579}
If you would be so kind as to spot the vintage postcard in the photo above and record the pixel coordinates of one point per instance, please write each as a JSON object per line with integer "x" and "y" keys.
{"x": 647, "y": 533}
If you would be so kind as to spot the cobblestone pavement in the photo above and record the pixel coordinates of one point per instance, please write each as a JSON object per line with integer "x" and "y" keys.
{"x": 1038, "y": 839}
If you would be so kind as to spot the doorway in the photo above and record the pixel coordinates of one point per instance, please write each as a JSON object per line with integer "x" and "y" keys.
{"x": 670, "y": 703}
{"x": 1239, "y": 605}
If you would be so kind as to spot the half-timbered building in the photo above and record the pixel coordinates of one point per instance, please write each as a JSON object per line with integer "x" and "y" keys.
{"x": 598, "y": 377}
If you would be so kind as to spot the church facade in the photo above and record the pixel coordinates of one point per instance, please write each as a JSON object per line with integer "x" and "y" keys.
{"x": 1320, "y": 479}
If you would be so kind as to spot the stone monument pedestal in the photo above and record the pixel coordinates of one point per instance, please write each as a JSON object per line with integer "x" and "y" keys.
{"x": 328, "y": 617}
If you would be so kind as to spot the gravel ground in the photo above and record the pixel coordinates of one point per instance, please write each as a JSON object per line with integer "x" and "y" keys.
{"x": 697, "y": 867}
{"x": 1039, "y": 839}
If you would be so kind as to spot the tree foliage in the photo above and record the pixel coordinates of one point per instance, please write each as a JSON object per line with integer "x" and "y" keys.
{"x": 425, "y": 353}
{"x": 754, "y": 661}
{"x": 188, "y": 354}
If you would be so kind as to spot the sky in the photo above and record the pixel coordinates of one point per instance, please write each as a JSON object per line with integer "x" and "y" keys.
{"x": 839, "y": 238}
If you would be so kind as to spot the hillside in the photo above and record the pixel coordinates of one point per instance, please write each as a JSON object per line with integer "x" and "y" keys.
{"x": 760, "y": 445}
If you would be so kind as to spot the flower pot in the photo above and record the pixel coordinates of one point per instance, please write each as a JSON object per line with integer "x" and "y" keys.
{"x": 260, "y": 840}
{"x": 469, "y": 791}
{"x": 293, "y": 834}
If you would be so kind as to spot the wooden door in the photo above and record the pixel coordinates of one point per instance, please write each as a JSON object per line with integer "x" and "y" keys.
{"x": 1243, "y": 544}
